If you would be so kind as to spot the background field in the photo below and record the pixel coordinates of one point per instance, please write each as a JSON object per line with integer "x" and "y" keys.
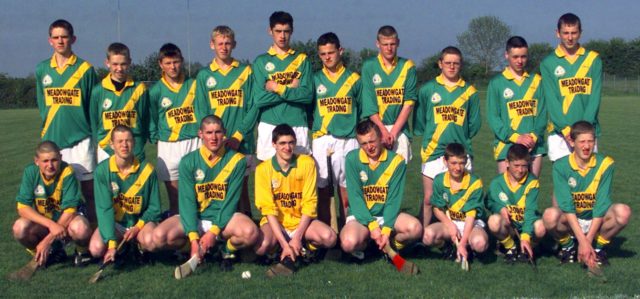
{"x": 489, "y": 277}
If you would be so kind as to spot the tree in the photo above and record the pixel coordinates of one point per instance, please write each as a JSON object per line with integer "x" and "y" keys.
{"x": 147, "y": 70}
{"x": 537, "y": 52}
{"x": 484, "y": 40}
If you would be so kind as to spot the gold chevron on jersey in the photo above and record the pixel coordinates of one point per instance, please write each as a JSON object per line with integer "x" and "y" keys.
{"x": 185, "y": 114}
{"x": 339, "y": 104}
{"x": 393, "y": 95}
{"x": 579, "y": 84}
{"x": 233, "y": 96}
{"x": 127, "y": 115}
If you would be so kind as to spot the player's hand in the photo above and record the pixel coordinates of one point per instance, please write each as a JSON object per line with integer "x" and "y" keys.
{"x": 294, "y": 83}
{"x": 586, "y": 254}
{"x": 287, "y": 251}
{"x": 195, "y": 249}
{"x": 453, "y": 232}
{"x": 130, "y": 234}
{"x": 57, "y": 231}
{"x": 376, "y": 234}
{"x": 296, "y": 246}
{"x": 271, "y": 86}
{"x": 109, "y": 256}
{"x": 526, "y": 248}
{"x": 207, "y": 241}
{"x": 232, "y": 143}
{"x": 382, "y": 241}
{"x": 42, "y": 252}
{"x": 462, "y": 251}
{"x": 526, "y": 140}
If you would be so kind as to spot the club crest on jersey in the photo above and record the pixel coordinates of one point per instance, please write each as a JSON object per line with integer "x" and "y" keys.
{"x": 199, "y": 176}
{"x": 559, "y": 71}
{"x": 211, "y": 82}
{"x": 363, "y": 176}
{"x": 39, "y": 191}
{"x": 508, "y": 93}
{"x": 115, "y": 188}
{"x": 445, "y": 196}
{"x": 165, "y": 103}
{"x": 269, "y": 67}
{"x": 572, "y": 182}
{"x": 376, "y": 79}
{"x": 46, "y": 81}
{"x": 275, "y": 183}
{"x": 436, "y": 98}
{"x": 106, "y": 104}
{"x": 321, "y": 90}
{"x": 503, "y": 197}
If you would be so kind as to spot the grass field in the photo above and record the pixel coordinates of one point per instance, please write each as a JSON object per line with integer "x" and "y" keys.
{"x": 489, "y": 276}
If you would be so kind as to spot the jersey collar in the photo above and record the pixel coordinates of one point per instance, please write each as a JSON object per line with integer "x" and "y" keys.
{"x": 208, "y": 158}
{"x": 333, "y": 78}
{"x": 71, "y": 61}
{"x": 517, "y": 186}
{"x": 215, "y": 67}
{"x": 561, "y": 53}
{"x": 113, "y": 167}
{"x": 272, "y": 51}
{"x": 440, "y": 80}
{"x": 384, "y": 67}
{"x": 510, "y": 76}
{"x": 292, "y": 164}
{"x": 466, "y": 179}
{"x": 169, "y": 86}
{"x": 107, "y": 84}
{"x": 574, "y": 164}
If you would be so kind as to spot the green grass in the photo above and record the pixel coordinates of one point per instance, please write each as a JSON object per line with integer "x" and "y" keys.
{"x": 489, "y": 277}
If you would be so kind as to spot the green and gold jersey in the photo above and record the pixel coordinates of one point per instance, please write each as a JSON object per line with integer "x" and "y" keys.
{"x": 129, "y": 107}
{"x": 50, "y": 198}
{"x": 375, "y": 190}
{"x": 287, "y": 194}
{"x": 584, "y": 192}
{"x": 227, "y": 94}
{"x": 446, "y": 114}
{"x": 63, "y": 94}
{"x": 571, "y": 88}
{"x": 466, "y": 201}
{"x": 337, "y": 103}
{"x": 210, "y": 188}
{"x": 515, "y": 107}
{"x": 126, "y": 199}
{"x": 174, "y": 113}
{"x": 520, "y": 200}
{"x": 288, "y": 105}
{"x": 386, "y": 90}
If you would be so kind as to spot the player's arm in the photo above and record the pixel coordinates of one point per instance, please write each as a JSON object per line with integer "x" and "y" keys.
{"x": 152, "y": 206}
{"x": 603, "y": 198}
{"x": 440, "y": 207}
{"x": 104, "y": 205}
{"x": 40, "y": 95}
{"x": 154, "y": 111}
{"x": 202, "y": 102}
{"x": 541, "y": 118}
{"x": 261, "y": 97}
{"x": 471, "y": 209}
{"x": 232, "y": 197}
{"x": 250, "y": 112}
{"x": 309, "y": 197}
{"x": 501, "y": 128}
{"x": 188, "y": 204}
{"x": 475, "y": 122}
{"x": 70, "y": 197}
{"x": 492, "y": 199}
{"x": 94, "y": 113}
{"x": 410, "y": 96}
{"x": 394, "y": 197}
{"x": 303, "y": 93}
{"x": 420, "y": 111}
{"x": 530, "y": 209}
{"x": 89, "y": 80}
{"x": 593, "y": 104}
{"x": 552, "y": 98}
{"x": 143, "y": 106}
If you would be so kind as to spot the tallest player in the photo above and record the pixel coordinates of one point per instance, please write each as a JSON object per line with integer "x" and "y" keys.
{"x": 64, "y": 85}
{"x": 571, "y": 84}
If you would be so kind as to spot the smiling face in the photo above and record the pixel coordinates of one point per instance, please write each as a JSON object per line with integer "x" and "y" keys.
{"x": 118, "y": 66}
{"x": 61, "y": 41}
{"x": 518, "y": 169}
{"x": 281, "y": 35}
{"x": 284, "y": 147}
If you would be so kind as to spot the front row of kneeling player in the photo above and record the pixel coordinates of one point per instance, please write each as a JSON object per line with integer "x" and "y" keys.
{"x": 128, "y": 206}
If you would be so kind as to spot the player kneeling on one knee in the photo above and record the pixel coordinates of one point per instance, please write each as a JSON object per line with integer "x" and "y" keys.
{"x": 513, "y": 200}
{"x": 47, "y": 202}
{"x": 585, "y": 213}
{"x": 375, "y": 180}
{"x": 210, "y": 185}
{"x": 286, "y": 196}
{"x": 457, "y": 201}
{"x": 127, "y": 201}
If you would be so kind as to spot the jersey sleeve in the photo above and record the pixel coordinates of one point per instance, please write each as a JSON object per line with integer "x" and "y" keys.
{"x": 104, "y": 203}
{"x": 395, "y": 196}
{"x": 143, "y": 103}
{"x": 552, "y": 97}
{"x": 603, "y": 196}
{"x": 561, "y": 189}
{"x": 25, "y": 193}
{"x": 410, "y": 83}
{"x": 232, "y": 197}
{"x": 436, "y": 197}
{"x": 494, "y": 204}
{"x": 152, "y": 210}
{"x": 40, "y": 94}
{"x": 357, "y": 206}
{"x": 593, "y": 103}
{"x": 309, "y": 193}
{"x": 475, "y": 199}
{"x": 154, "y": 98}
{"x": 302, "y": 94}
{"x": 70, "y": 198}
{"x": 541, "y": 120}
{"x": 263, "y": 192}
{"x": 500, "y": 128}
{"x": 369, "y": 99}
{"x": 202, "y": 96}
{"x": 251, "y": 113}
{"x": 530, "y": 208}
{"x": 475, "y": 122}
{"x": 187, "y": 202}
{"x": 420, "y": 111}
{"x": 261, "y": 97}
{"x": 94, "y": 113}
{"x": 88, "y": 82}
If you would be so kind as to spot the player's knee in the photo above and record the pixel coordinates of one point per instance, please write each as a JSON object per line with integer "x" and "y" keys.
{"x": 146, "y": 241}
{"x": 551, "y": 217}
{"x": 478, "y": 244}
{"x": 96, "y": 249}
{"x": 159, "y": 238}
{"x": 539, "y": 230}
{"x": 328, "y": 238}
{"x": 429, "y": 237}
{"x": 79, "y": 229}
{"x": 249, "y": 234}
{"x": 348, "y": 242}
{"x": 414, "y": 229}
{"x": 622, "y": 214}
{"x": 494, "y": 223}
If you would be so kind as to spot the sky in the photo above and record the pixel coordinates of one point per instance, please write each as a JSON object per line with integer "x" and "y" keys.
{"x": 425, "y": 27}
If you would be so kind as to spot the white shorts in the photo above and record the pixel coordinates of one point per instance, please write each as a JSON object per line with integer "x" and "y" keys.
{"x": 479, "y": 223}
{"x": 340, "y": 147}
{"x": 102, "y": 155}
{"x": 558, "y": 147}
{"x": 81, "y": 158}
{"x": 170, "y": 154}
{"x": 435, "y": 167}
{"x": 585, "y": 225}
{"x": 350, "y": 218}
{"x": 264, "y": 147}
{"x": 401, "y": 145}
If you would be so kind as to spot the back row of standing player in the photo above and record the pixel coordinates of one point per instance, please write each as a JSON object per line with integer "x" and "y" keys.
{"x": 280, "y": 88}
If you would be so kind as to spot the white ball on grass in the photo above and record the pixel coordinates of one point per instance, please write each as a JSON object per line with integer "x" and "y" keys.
{"x": 246, "y": 274}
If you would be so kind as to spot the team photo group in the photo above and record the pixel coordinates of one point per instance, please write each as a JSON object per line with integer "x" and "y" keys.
{"x": 303, "y": 135}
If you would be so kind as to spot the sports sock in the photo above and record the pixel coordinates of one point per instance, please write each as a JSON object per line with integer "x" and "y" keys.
{"x": 601, "y": 242}
{"x": 229, "y": 248}
{"x": 566, "y": 242}
{"x": 311, "y": 247}
{"x": 397, "y": 244}
{"x": 508, "y": 242}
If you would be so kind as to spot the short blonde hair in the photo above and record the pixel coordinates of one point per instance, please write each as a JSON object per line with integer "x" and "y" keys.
{"x": 223, "y": 31}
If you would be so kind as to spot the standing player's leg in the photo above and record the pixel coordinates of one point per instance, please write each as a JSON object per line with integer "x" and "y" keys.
{"x": 536, "y": 165}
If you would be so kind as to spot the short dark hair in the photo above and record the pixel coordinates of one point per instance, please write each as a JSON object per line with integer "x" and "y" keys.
{"x": 516, "y": 42}
{"x": 450, "y": 50}
{"x": 569, "y": 19}
{"x": 212, "y": 119}
{"x": 47, "y": 146}
{"x": 169, "y": 50}
{"x": 582, "y": 127}
{"x": 120, "y": 129}
{"x": 282, "y": 130}
{"x": 61, "y": 23}
{"x": 387, "y": 31}
{"x": 366, "y": 126}
{"x": 118, "y": 49}
{"x": 280, "y": 17}
{"x": 518, "y": 152}
{"x": 455, "y": 150}
{"x": 328, "y": 38}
